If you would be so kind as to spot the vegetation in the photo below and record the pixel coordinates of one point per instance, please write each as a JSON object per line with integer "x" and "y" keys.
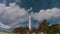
{"x": 20, "y": 30}
{"x": 43, "y": 27}
{"x": 53, "y": 29}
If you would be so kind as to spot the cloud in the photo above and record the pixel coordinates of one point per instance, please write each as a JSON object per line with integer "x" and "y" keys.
{"x": 13, "y": 13}
{"x": 4, "y": 26}
{"x": 48, "y": 14}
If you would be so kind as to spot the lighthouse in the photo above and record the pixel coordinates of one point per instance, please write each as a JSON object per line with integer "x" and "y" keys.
{"x": 29, "y": 17}
{"x": 30, "y": 24}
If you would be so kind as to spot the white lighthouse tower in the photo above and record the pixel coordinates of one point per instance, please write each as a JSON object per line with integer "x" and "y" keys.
{"x": 29, "y": 15}
{"x": 30, "y": 24}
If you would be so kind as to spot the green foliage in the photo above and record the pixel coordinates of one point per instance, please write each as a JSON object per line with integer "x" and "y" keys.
{"x": 53, "y": 29}
{"x": 43, "y": 25}
{"x": 20, "y": 30}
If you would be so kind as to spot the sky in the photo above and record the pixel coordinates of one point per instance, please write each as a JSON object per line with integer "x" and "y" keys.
{"x": 14, "y": 13}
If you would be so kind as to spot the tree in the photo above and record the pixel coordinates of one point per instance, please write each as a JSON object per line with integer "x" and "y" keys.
{"x": 53, "y": 29}
{"x": 43, "y": 26}
{"x": 20, "y": 30}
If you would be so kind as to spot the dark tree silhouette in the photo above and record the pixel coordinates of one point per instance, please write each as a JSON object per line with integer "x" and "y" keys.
{"x": 53, "y": 29}
{"x": 43, "y": 26}
{"x": 20, "y": 30}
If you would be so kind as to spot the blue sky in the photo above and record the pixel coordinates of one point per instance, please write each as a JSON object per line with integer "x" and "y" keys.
{"x": 14, "y": 13}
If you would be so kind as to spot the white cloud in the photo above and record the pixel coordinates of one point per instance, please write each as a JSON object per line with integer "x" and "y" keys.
{"x": 4, "y": 26}
{"x": 47, "y": 14}
{"x": 13, "y": 13}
